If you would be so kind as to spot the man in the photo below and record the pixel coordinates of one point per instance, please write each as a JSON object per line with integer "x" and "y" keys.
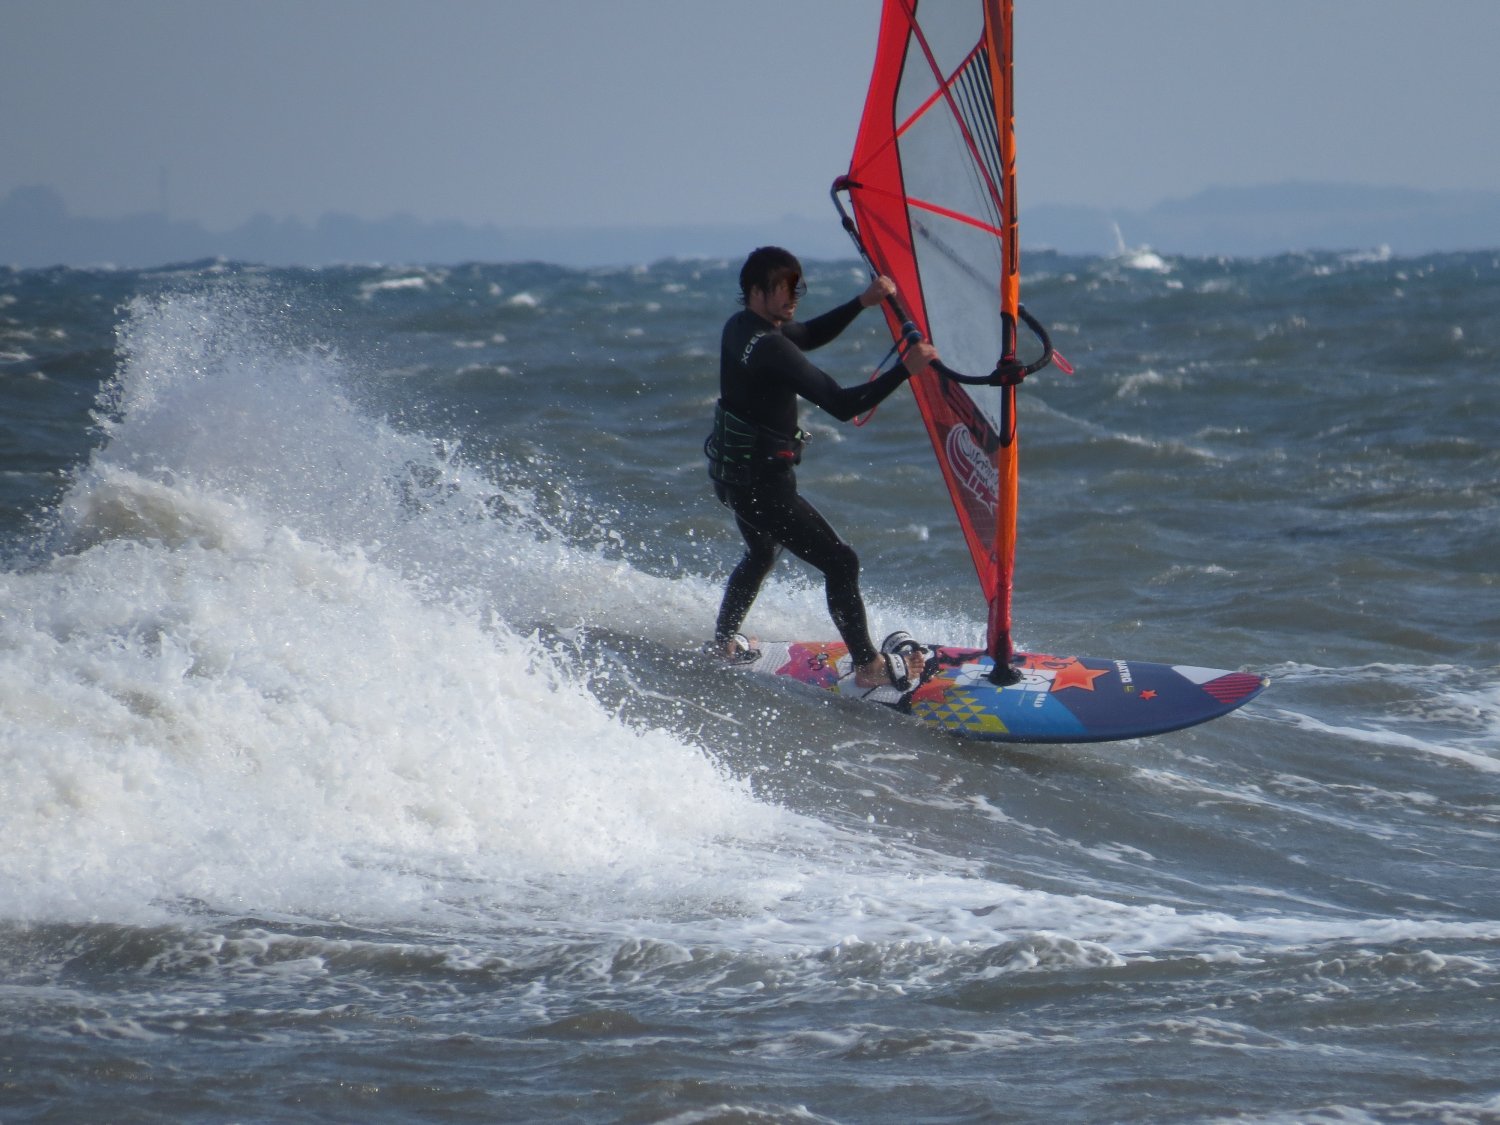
{"x": 756, "y": 442}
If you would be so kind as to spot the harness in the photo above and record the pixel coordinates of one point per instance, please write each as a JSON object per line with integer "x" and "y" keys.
{"x": 741, "y": 452}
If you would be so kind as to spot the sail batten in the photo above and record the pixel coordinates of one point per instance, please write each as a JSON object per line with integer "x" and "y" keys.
{"x": 956, "y": 216}
{"x": 931, "y": 184}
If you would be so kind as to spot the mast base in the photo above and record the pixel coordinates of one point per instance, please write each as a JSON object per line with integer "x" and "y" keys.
{"x": 1004, "y": 674}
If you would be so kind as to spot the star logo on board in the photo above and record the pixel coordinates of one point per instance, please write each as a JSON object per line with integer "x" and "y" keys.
{"x": 1148, "y": 694}
{"x": 1074, "y": 675}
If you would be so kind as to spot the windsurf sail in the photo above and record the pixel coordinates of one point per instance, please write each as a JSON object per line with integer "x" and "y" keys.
{"x": 932, "y": 188}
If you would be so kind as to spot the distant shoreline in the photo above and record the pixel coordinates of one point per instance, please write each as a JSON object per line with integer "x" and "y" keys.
{"x": 36, "y": 230}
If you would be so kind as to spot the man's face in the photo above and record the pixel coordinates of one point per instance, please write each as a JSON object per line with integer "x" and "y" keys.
{"x": 779, "y": 303}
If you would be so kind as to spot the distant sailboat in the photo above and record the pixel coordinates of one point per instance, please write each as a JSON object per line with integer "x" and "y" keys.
{"x": 1138, "y": 257}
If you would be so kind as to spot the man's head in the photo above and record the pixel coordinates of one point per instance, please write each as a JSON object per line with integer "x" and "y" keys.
{"x": 771, "y": 282}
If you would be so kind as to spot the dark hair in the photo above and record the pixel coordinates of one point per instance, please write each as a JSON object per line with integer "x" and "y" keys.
{"x": 766, "y": 268}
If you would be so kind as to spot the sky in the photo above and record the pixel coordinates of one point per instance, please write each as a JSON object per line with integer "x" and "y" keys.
{"x": 544, "y": 113}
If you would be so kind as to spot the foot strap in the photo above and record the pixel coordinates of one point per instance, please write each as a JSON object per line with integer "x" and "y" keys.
{"x": 905, "y": 660}
{"x": 736, "y": 650}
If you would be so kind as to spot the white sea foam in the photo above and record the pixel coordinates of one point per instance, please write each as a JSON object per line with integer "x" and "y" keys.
{"x": 282, "y": 663}
{"x": 242, "y": 682}
{"x": 1444, "y": 711}
{"x": 406, "y": 282}
{"x": 1378, "y": 736}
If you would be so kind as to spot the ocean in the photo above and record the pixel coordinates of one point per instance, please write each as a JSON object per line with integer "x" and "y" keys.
{"x": 357, "y": 762}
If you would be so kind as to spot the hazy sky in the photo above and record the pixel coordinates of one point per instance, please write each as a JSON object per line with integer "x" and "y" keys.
{"x": 576, "y": 112}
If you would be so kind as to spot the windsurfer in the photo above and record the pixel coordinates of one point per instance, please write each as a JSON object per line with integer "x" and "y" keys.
{"x": 756, "y": 442}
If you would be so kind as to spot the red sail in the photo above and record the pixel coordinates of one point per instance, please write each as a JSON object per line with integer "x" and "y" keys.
{"x": 932, "y": 187}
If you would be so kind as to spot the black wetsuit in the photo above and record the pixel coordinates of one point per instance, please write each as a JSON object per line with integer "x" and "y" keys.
{"x": 762, "y": 371}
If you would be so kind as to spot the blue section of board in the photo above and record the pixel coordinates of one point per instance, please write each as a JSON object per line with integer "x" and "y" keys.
{"x": 1055, "y": 699}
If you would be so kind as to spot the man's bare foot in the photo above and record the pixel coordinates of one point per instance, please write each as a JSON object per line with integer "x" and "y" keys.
{"x": 873, "y": 675}
{"x": 736, "y": 650}
{"x": 908, "y": 663}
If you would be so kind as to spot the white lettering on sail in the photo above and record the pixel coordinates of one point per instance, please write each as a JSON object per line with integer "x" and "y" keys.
{"x": 975, "y": 471}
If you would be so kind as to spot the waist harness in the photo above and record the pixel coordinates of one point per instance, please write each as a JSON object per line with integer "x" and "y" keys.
{"x": 740, "y": 452}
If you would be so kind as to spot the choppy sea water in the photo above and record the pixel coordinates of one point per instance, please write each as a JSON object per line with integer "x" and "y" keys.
{"x": 355, "y": 763}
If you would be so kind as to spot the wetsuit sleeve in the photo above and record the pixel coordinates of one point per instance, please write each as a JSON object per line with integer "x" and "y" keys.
{"x": 785, "y": 362}
{"x": 818, "y": 331}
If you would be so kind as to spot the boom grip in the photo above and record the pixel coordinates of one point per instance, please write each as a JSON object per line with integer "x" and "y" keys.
{"x": 1007, "y": 372}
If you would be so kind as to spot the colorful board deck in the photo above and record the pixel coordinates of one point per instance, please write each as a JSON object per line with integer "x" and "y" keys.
{"x": 1057, "y": 699}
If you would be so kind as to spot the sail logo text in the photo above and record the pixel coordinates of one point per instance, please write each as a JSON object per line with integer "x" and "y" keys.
{"x": 971, "y": 467}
